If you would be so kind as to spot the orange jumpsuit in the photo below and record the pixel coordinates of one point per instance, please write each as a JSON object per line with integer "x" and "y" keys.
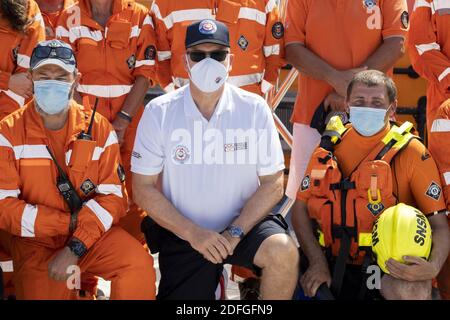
{"x": 429, "y": 50}
{"x": 256, "y": 39}
{"x": 15, "y": 55}
{"x": 51, "y": 20}
{"x": 109, "y": 60}
{"x": 440, "y": 138}
{"x": 34, "y": 212}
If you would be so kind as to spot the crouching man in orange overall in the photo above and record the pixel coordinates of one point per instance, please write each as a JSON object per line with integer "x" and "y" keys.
{"x": 62, "y": 190}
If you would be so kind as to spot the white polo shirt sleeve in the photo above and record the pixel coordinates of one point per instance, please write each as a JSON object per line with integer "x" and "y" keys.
{"x": 147, "y": 157}
{"x": 270, "y": 153}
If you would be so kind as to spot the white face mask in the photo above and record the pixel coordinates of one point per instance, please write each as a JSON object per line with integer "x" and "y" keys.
{"x": 367, "y": 121}
{"x": 208, "y": 75}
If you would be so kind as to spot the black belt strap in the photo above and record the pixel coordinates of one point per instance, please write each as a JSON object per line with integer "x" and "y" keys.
{"x": 341, "y": 264}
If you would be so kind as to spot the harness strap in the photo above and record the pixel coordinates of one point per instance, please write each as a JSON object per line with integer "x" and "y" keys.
{"x": 341, "y": 264}
{"x": 343, "y": 185}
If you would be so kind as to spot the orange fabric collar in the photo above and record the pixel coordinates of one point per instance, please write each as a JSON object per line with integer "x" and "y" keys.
{"x": 78, "y": 120}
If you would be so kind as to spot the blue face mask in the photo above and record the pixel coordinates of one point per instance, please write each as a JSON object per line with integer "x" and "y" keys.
{"x": 367, "y": 121}
{"x": 52, "y": 96}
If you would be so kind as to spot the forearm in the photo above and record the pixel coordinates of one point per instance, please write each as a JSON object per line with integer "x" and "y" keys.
{"x": 386, "y": 55}
{"x": 441, "y": 244}
{"x": 162, "y": 211}
{"x": 305, "y": 234}
{"x": 308, "y": 63}
{"x": 260, "y": 204}
{"x": 135, "y": 98}
{"x": 26, "y": 220}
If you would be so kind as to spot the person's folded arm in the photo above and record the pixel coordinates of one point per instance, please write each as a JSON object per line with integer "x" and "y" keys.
{"x": 109, "y": 204}
{"x": 386, "y": 55}
{"x": 424, "y": 50}
{"x": 16, "y": 215}
{"x": 393, "y": 30}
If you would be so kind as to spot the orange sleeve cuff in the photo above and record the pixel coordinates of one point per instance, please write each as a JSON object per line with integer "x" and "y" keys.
{"x": 84, "y": 237}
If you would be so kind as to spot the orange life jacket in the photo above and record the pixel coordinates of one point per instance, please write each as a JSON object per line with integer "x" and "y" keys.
{"x": 345, "y": 208}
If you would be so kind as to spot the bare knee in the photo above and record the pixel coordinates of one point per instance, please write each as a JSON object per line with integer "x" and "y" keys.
{"x": 396, "y": 289}
{"x": 277, "y": 251}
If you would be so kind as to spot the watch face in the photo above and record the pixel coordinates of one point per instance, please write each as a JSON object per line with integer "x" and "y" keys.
{"x": 236, "y": 232}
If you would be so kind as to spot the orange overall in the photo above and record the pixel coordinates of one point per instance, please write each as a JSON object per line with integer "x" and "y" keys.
{"x": 109, "y": 60}
{"x": 33, "y": 211}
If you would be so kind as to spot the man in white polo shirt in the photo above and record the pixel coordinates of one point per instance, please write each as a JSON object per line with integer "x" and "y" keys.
{"x": 216, "y": 151}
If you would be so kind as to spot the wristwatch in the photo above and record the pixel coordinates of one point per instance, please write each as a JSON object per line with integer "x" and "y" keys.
{"x": 235, "y": 231}
{"x": 77, "y": 247}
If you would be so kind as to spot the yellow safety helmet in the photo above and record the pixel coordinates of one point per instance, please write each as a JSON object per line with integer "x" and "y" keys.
{"x": 400, "y": 231}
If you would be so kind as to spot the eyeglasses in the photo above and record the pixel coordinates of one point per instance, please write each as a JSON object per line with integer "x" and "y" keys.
{"x": 197, "y": 56}
{"x": 60, "y": 53}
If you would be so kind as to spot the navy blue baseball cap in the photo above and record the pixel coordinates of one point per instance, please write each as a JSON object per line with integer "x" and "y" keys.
{"x": 54, "y": 52}
{"x": 207, "y": 31}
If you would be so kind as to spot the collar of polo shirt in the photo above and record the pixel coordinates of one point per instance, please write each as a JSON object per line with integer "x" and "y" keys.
{"x": 190, "y": 108}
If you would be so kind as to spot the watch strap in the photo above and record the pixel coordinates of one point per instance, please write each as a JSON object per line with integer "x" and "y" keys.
{"x": 77, "y": 247}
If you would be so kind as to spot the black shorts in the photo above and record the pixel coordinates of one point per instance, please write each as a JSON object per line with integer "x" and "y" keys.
{"x": 352, "y": 284}
{"x": 187, "y": 275}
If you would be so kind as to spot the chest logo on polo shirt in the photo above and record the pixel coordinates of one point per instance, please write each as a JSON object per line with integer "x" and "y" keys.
{"x": 434, "y": 191}
{"x": 369, "y": 4}
{"x": 181, "y": 154}
{"x": 131, "y": 61}
{"x": 87, "y": 187}
{"x": 243, "y": 43}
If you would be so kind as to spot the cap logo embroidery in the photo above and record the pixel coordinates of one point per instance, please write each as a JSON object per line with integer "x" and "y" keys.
{"x": 207, "y": 27}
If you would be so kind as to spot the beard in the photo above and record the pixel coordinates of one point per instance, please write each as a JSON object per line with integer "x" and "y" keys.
{"x": 16, "y": 12}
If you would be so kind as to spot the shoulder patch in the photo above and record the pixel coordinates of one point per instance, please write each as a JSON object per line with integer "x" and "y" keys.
{"x": 243, "y": 43}
{"x": 434, "y": 191}
{"x": 278, "y": 30}
{"x": 87, "y": 187}
{"x": 305, "y": 183}
{"x": 150, "y": 53}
